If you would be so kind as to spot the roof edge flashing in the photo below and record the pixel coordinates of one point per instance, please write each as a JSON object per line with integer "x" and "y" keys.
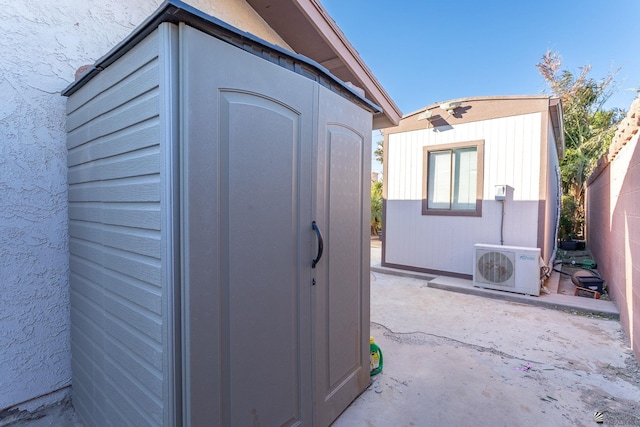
{"x": 175, "y": 11}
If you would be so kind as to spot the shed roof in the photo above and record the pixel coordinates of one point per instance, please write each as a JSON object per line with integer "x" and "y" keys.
{"x": 307, "y": 27}
{"x": 322, "y": 52}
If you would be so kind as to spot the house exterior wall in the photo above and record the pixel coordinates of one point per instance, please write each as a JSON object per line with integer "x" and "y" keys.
{"x": 613, "y": 222}
{"x": 43, "y": 43}
{"x": 512, "y": 147}
{"x": 550, "y": 198}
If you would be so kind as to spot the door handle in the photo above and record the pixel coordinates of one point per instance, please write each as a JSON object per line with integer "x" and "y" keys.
{"x": 320, "y": 244}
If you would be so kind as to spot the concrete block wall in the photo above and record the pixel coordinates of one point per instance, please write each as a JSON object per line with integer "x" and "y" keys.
{"x": 613, "y": 222}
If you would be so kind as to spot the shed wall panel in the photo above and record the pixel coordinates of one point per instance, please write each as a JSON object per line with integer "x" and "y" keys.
{"x": 143, "y": 53}
{"x": 129, "y": 114}
{"x": 143, "y": 242}
{"x": 135, "y": 189}
{"x": 148, "y": 377}
{"x": 138, "y": 292}
{"x": 137, "y": 163}
{"x": 137, "y": 215}
{"x": 114, "y": 143}
{"x": 133, "y": 138}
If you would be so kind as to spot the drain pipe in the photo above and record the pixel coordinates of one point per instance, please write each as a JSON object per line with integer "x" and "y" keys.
{"x": 549, "y": 267}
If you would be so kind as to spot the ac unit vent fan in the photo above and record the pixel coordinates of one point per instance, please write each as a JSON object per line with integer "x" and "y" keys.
{"x": 495, "y": 267}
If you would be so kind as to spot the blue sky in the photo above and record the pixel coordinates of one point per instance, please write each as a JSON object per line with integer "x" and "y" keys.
{"x": 427, "y": 51}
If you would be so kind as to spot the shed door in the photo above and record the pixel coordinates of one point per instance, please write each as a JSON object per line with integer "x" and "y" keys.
{"x": 247, "y": 140}
{"x": 341, "y": 300}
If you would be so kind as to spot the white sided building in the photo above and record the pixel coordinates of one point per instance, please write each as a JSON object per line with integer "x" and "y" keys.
{"x": 472, "y": 171}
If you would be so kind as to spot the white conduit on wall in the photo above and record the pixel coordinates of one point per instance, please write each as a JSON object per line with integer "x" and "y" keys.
{"x": 549, "y": 267}
{"x": 558, "y": 211}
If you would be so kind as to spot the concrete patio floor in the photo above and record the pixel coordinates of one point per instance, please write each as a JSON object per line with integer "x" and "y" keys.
{"x": 557, "y": 286}
{"x": 477, "y": 357}
{"x": 455, "y": 355}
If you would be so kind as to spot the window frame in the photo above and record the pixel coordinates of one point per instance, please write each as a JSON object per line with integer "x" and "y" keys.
{"x": 477, "y": 212}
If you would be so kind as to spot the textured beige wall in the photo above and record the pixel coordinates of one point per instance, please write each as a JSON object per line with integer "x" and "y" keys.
{"x": 42, "y": 44}
{"x": 239, "y": 14}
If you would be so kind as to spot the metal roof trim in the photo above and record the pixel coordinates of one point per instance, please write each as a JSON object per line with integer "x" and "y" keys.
{"x": 176, "y": 11}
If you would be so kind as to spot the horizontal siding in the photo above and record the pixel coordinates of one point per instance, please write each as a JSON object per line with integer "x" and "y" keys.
{"x": 138, "y": 321}
{"x": 86, "y": 393}
{"x": 131, "y": 338}
{"x": 138, "y": 111}
{"x": 134, "y": 214}
{"x": 114, "y": 159}
{"x": 135, "y": 137}
{"x": 137, "y": 163}
{"x": 137, "y": 266}
{"x": 144, "y": 52}
{"x": 134, "y": 189}
{"x": 133, "y": 402}
{"x": 445, "y": 243}
{"x": 133, "y": 86}
{"x": 138, "y": 292}
{"x": 148, "y": 377}
{"x": 143, "y": 242}
{"x": 512, "y": 156}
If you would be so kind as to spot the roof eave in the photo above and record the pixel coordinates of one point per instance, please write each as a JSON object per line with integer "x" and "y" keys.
{"x": 555, "y": 110}
{"x": 344, "y": 54}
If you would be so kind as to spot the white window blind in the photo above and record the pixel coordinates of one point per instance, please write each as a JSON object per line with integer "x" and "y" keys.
{"x": 465, "y": 162}
{"x": 440, "y": 180}
{"x": 452, "y": 179}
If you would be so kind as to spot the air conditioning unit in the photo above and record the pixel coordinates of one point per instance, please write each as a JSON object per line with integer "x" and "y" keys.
{"x": 507, "y": 268}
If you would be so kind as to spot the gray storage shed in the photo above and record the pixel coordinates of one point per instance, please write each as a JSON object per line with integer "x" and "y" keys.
{"x": 219, "y": 226}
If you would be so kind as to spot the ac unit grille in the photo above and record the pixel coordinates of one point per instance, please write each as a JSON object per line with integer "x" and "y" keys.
{"x": 495, "y": 268}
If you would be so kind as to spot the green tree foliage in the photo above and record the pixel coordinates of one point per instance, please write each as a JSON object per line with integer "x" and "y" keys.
{"x": 376, "y": 195}
{"x": 376, "y": 208}
{"x": 379, "y": 152}
{"x": 588, "y": 131}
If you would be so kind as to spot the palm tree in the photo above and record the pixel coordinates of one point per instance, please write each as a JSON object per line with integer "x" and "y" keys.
{"x": 588, "y": 131}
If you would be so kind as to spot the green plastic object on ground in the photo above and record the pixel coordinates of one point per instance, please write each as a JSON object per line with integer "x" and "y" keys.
{"x": 375, "y": 357}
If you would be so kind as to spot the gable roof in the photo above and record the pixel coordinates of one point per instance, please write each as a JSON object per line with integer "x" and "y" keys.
{"x": 307, "y": 27}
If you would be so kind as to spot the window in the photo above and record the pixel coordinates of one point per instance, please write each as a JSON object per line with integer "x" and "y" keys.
{"x": 452, "y": 179}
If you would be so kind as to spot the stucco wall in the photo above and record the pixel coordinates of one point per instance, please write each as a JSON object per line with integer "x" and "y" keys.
{"x": 42, "y": 44}
{"x": 613, "y": 222}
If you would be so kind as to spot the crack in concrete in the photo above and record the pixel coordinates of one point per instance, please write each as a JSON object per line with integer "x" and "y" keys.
{"x": 421, "y": 338}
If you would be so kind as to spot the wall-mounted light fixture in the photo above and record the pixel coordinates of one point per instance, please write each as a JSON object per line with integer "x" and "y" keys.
{"x": 450, "y": 107}
{"x": 425, "y": 115}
